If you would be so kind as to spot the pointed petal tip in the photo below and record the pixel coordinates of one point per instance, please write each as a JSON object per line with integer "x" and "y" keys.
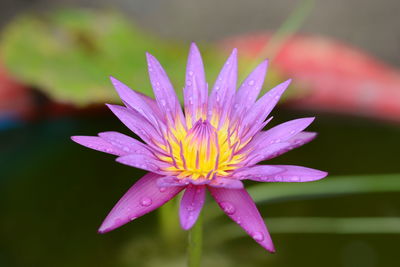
{"x": 185, "y": 225}
{"x": 194, "y": 52}
{"x": 106, "y": 227}
{"x": 150, "y": 58}
{"x": 193, "y": 46}
{"x": 321, "y": 175}
{"x": 233, "y": 55}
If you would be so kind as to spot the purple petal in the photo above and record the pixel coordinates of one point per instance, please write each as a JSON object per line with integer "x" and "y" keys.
{"x": 196, "y": 90}
{"x": 278, "y": 149}
{"x": 268, "y": 152}
{"x": 281, "y": 133}
{"x": 136, "y": 101}
{"x": 191, "y": 204}
{"x": 275, "y": 150}
{"x": 224, "y": 89}
{"x": 168, "y": 181}
{"x": 126, "y": 143}
{"x": 143, "y": 197}
{"x": 163, "y": 90}
{"x": 256, "y": 171}
{"x": 97, "y": 143}
{"x": 152, "y": 104}
{"x": 263, "y": 107}
{"x": 144, "y": 162}
{"x": 231, "y": 183}
{"x": 286, "y": 130}
{"x": 137, "y": 124}
{"x": 281, "y": 173}
{"x": 249, "y": 90}
{"x": 239, "y": 206}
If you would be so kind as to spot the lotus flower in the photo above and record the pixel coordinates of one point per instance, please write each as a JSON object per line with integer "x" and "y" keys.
{"x": 214, "y": 144}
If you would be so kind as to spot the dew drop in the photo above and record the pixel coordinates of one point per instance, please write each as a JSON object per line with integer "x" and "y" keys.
{"x": 146, "y": 201}
{"x": 258, "y": 236}
{"x": 190, "y": 73}
{"x": 188, "y": 83}
{"x": 295, "y": 179}
{"x": 228, "y": 208}
{"x": 162, "y": 189}
{"x": 190, "y": 208}
{"x": 163, "y": 102}
{"x": 251, "y": 82}
{"x": 216, "y": 88}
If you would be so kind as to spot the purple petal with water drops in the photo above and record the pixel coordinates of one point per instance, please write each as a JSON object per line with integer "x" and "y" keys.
{"x": 163, "y": 90}
{"x": 281, "y": 132}
{"x": 144, "y": 162}
{"x": 137, "y": 124}
{"x": 249, "y": 90}
{"x": 97, "y": 143}
{"x": 274, "y": 150}
{"x": 224, "y": 89}
{"x": 281, "y": 173}
{"x": 191, "y": 204}
{"x": 239, "y": 206}
{"x": 168, "y": 181}
{"x": 126, "y": 143}
{"x": 256, "y": 171}
{"x": 222, "y": 182}
{"x": 144, "y": 196}
{"x": 136, "y": 101}
{"x": 152, "y": 104}
{"x": 196, "y": 90}
{"x": 265, "y": 153}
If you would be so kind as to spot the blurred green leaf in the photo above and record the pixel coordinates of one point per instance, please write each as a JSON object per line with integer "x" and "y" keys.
{"x": 328, "y": 187}
{"x": 70, "y": 54}
{"x": 318, "y": 225}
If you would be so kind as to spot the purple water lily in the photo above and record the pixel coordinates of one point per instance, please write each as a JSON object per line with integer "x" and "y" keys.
{"x": 213, "y": 145}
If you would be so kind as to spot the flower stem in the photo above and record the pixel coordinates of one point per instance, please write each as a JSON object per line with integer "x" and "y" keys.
{"x": 195, "y": 243}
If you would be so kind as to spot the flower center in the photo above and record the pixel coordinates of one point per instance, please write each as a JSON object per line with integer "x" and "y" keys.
{"x": 203, "y": 151}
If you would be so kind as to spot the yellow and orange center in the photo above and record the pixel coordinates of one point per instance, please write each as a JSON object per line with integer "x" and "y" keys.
{"x": 202, "y": 152}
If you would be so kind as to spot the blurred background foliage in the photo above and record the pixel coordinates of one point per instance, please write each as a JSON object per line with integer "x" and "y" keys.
{"x": 54, "y": 194}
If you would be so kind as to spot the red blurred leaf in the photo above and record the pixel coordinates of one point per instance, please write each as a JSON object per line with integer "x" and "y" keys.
{"x": 337, "y": 77}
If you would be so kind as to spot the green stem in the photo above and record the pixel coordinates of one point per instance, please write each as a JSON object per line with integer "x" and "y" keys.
{"x": 195, "y": 243}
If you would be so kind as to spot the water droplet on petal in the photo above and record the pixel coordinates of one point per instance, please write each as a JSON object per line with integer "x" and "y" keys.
{"x": 163, "y": 102}
{"x": 162, "y": 189}
{"x": 146, "y": 201}
{"x": 258, "y": 236}
{"x": 190, "y": 73}
{"x": 295, "y": 179}
{"x": 188, "y": 83}
{"x": 228, "y": 208}
{"x": 251, "y": 82}
{"x": 190, "y": 208}
{"x": 216, "y": 88}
